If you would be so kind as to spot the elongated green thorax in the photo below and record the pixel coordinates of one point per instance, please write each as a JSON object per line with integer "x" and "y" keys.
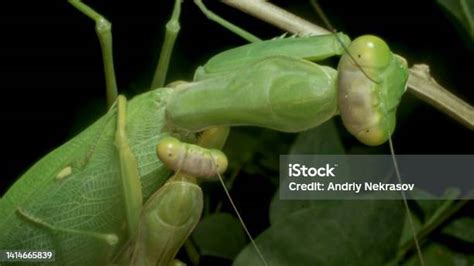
{"x": 371, "y": 82}
{"x": 279, "y": 92}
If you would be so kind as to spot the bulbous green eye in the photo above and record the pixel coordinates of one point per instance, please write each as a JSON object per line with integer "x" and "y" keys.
{"x": 168, "y": 149}
{"x": 220, "y": 160}
{"x": 370, "y": 52}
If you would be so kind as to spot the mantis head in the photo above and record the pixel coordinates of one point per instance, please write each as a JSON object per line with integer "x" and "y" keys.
{"x": 371, "y": 82}
{"x": 191, "y": 159}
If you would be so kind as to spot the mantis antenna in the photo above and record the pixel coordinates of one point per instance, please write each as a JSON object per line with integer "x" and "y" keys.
{"x": 392, "y": 150}
{"x": 405, "y": 202}
{"x": 326, "y": 21}
{"x": 221, "y": 180}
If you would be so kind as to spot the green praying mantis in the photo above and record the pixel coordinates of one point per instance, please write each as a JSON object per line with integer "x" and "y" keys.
{"x": 88, "y": 199}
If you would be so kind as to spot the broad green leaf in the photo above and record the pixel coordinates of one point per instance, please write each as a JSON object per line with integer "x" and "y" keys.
{"x": 439, "y": 255}
{"x": 323, "y": 139}
{"x": 272, "y": 143}
{"x": 219, "y": 235}
{"x": 407, "y": 233}
{"x": 240, "y": 147}
{"x": 431, "y": 211}
{"x": 462, "y": 11}
{"x": 255, "y": 149}
{"x": 462, "y": 228}
{"x": 432, "y": 206}
{"x": 320, "y": 246}
{"x": 333, "y": 233}
{"x": 427, "y": 207}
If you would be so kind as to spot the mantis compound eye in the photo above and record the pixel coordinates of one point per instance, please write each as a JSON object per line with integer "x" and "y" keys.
{"x": 169, "y": 150}
{"x": 371, "y": 54}
{"x": 220, "y": 161}
{"x": 371, "y": 82}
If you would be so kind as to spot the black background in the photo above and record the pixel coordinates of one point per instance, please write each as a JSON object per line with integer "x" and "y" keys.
{"x": 51, "y": 74}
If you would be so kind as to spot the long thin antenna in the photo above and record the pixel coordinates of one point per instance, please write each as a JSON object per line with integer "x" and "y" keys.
{"x": 260, "y": 254}
{"x": 321, "y": 13}
{"x": 405, "y": 202}
{"x": 326, "y": 21}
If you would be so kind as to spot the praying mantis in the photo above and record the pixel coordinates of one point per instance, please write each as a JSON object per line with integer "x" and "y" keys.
{"x": 143, "y": 155}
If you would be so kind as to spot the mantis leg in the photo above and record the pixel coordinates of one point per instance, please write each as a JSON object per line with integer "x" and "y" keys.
{"x": 170, "y": 214}
{"x": 129, "y": 174}
{"x": 168, "y": 218}
{"x": 104, "y": 33}
{"x": 226, "y": 24}
{"x": 110, "y": 239}
{"x": 214, "y": 137}
{"x": 96, "y": 241}
{"x": 159, "y": 228}
{"x": 172, "y": 30}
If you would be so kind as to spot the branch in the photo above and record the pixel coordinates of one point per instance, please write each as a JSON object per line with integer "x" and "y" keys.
{"x": 420, "y": 82}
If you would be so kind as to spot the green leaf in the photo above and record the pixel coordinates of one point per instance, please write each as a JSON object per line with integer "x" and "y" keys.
{"x": 219, "y": 235}
{"x": 255, "y": 149}
{"x": 323, "y": 139}
{"x": 462, "y": 228}
{"x": 431, "y": 209}
{"x": 272, "y": 143}
{"x": 428, "y": 207}
{"x": 332, "y": 233}
{"x": 462, "y": 11}
{"x": 439, "y": 255}
{"x": 240, "y": 147}
{"x": 407, "y": 233}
